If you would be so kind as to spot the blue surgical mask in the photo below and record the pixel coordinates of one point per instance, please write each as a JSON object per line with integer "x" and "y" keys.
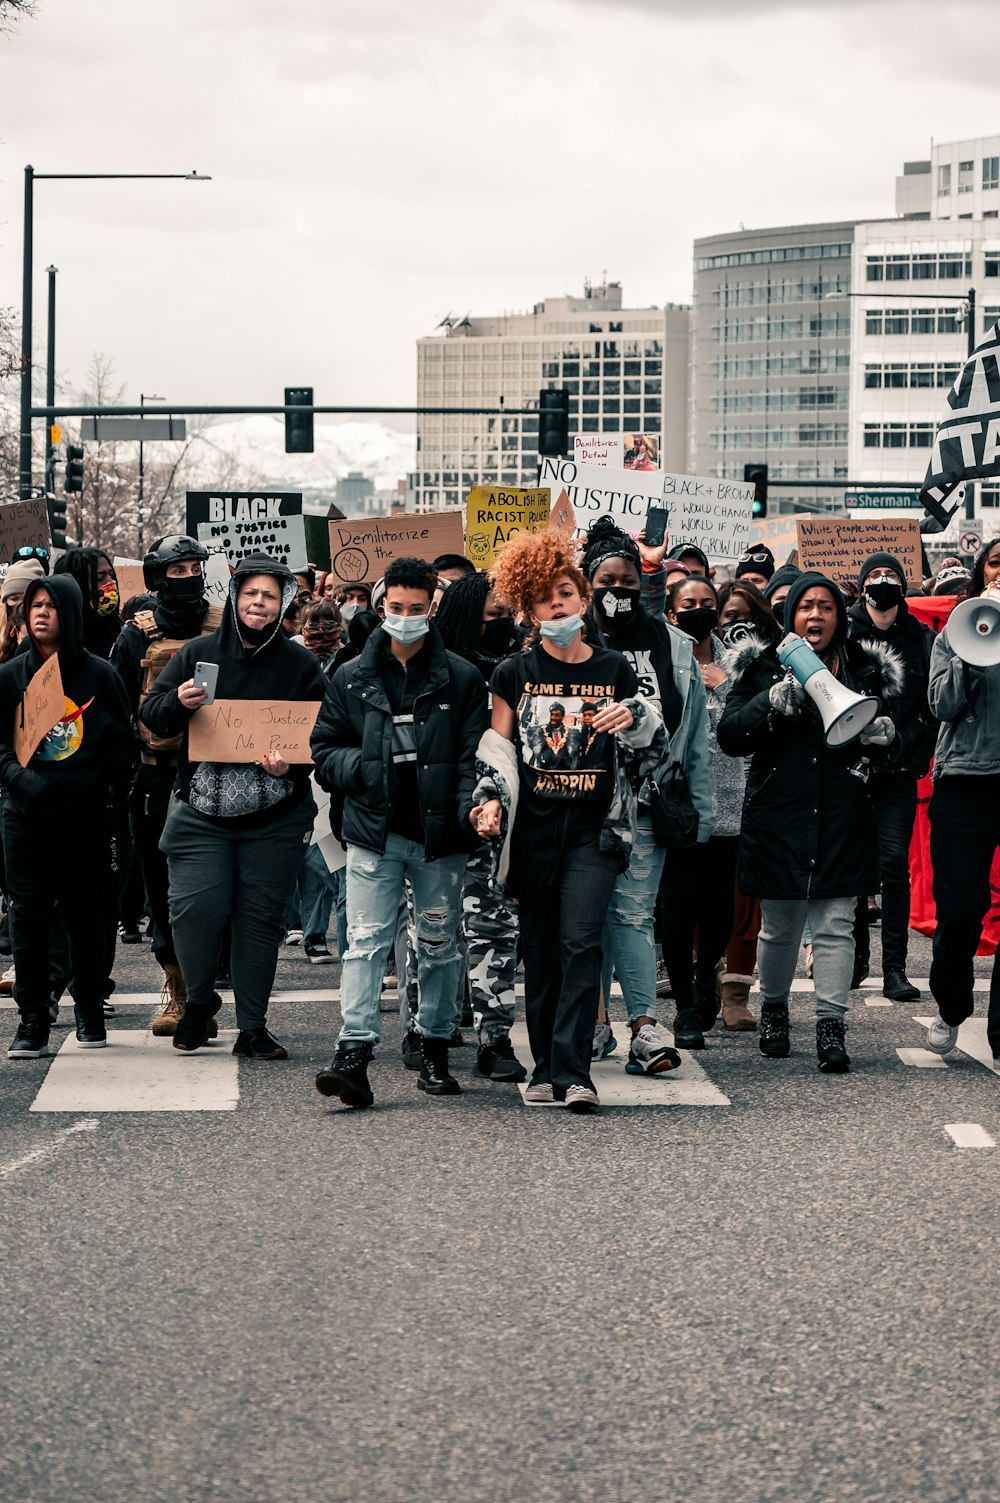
{"x": 407, "y": 629}
{"x": 561, "y": 633}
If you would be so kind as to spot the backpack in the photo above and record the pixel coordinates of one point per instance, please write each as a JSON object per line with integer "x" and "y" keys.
{"x": 159, "y": 651}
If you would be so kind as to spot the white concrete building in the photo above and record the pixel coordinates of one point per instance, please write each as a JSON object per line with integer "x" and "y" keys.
{"x": 624, "y": 368}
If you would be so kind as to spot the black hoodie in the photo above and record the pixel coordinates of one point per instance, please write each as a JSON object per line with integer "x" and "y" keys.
{"x": 278, "y": 669}
{"x": 88, "y": 753}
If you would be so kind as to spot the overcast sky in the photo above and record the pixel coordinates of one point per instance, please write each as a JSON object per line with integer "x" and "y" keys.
{"x": 377, "y": 164}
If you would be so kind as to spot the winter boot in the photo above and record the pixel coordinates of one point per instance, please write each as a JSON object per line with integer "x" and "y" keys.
{"x": 831, "y": 1053}
{"x": 173, "y": 1000}
{"x": 736, "y": 1015}
{"x": 196, "y": 1025}
{"x": 434, "y": 1077}
{"x": 346, "y": 1076}
{"x": 773, "y": 1041}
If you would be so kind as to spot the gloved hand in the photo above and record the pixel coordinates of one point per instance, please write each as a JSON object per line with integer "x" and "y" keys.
{"x": 787, "y": 696}
{"x": 881, "y": 732}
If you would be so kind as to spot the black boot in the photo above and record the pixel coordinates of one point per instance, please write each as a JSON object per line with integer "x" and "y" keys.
{"x": 830, "y": 1051}
{"x": 497, "y": 1060}
{"x": 31, "y": 1041}
{"x": 197, "y": 1025}
{"x": 897, "y": 986}
{"x": 687, "y": 1029}
{"x": 410, "y": 1050}
{"x": 772, "y": 1036}
{"x": 90, "y": 1030}
{"x": 434, "y": 1077}
{"x": 346, "y": 1076}
{"x": 708, "y": 1005}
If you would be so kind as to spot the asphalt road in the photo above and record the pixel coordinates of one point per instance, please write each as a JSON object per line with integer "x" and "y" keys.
{"x": 791, "y": 1298}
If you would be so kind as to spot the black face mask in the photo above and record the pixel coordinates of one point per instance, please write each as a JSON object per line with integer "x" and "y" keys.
{"x": 883, "y": 595}
{"x": 499, "y": 638}
{"x": 699, "y": 623}
{"x": 186, "y": 591}
{"x": 618, "y": 604}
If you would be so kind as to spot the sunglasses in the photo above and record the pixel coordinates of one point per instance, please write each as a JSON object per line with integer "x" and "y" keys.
{"x": 29, "y": 552}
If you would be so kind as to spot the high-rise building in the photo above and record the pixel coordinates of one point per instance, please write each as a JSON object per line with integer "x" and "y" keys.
{"x": 624, "y": 368}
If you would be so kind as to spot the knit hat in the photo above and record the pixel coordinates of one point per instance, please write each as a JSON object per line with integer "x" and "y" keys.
{"x": 948, "y": 578}
{"x": 757, "y": 559}
{"x": 786, "y": 575}
{"x": 15, "y": 581}
{"x": 810, "y": 580}
{"x": 880, "y": 561}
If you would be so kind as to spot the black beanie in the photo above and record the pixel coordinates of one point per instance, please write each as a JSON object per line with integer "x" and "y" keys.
{"x": 753, "y": 563}
{"x": 786, "y": 575}
{"x": 880, "y": 561}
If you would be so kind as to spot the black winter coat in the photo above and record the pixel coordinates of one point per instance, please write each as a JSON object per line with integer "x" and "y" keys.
{"x": 808, "y": 825}
{"x": 352, "y": 747}
{"x": 916, "y": 727}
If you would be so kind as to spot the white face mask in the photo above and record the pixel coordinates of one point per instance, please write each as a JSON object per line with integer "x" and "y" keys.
{"x": 349, "y": 611}
{"x": 407, "y": 629}
{"x": 561, "y": 633}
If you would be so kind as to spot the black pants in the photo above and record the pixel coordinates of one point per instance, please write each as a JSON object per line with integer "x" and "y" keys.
{"x": 965, "y": 833}
{"x": 894, "y": 799}
{"x": 696, "y": 891}
{"x": 563, "y": 884}
{"x": 148, "y": 805}
{"x": 44, "y": 867}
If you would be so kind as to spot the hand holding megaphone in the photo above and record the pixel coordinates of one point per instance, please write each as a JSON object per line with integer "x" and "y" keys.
{"x": 844, "y": 714}
{"x": 973, "y": 630}
{"x": 787, "y": 696}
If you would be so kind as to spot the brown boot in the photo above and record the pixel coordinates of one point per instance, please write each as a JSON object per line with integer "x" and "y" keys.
{"x": 175, "y": 996}
{"x": 736, "y": 1015}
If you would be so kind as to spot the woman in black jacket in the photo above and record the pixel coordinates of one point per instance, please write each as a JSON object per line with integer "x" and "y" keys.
{"x": 808, "y": 840}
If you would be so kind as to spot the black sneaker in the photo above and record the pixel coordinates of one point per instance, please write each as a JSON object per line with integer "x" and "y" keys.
{"x": 497, "y": 1061}
{"x": 195, "y": 1027}
{"x": 318, "y": 953}
{"x": 346, "y": 1076}
{"x": 772, "y": 1035}
{"x": 410, "y": 1050}
{"x": 258, "y": 1043}
{"x": 31, "y": 1040}
{"x": 861, "y": 972}
{"x": 90, "y": 1030}
{"x": 831, "y": 1054}
{"x": 898, "y": 988}
{"x": 687, "y": 1030}
{"x": 128, "y": 935}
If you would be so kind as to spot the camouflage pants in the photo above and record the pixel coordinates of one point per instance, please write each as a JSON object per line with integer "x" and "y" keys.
{"x": 489, "y": 919}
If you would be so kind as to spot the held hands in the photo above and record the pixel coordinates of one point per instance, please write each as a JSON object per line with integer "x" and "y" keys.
{"x": 614, "y": 717}
{"x": 881, "y": 732}
{"x": 485, "y": 818}
{"x": 190, "y": 697}
{"x": 787, "y": 696}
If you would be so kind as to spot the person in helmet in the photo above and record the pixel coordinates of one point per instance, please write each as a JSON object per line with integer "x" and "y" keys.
{"x": 173, "y": 571}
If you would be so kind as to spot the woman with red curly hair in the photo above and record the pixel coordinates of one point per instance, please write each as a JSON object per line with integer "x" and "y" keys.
{"x": 554, "y": 784}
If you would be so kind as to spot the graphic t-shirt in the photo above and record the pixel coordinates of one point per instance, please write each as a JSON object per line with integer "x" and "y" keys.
{"x": 563, "y": 761}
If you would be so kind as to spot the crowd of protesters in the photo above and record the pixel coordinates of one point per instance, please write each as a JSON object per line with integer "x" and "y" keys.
{"x": 589, "y": 762}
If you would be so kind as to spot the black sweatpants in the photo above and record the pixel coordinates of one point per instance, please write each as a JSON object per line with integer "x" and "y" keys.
{"x": 697, "y": 891}
{"x": 965, "y": 834}
{"x": 148, "y": 804}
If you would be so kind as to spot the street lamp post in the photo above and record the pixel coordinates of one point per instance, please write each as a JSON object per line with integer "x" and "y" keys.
{"x": 30, "y": 178}
{"x": 143, "y": 399}
{"x": 50, "y": 377}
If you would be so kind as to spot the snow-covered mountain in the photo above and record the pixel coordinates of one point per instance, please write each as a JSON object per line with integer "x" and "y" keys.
{"x": 251, "y": 451}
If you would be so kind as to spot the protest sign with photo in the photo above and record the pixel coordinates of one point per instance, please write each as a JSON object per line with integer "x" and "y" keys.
{"x": 838, "y": 546}
{"x": 282, "y": 538}
{"x": 361, "y": 551}
{"x": 630, "y": 450}
{"x": 43, "y": 705}
{"x": 242, "y": 730}
{"x": 23, "y": 524}
{"x": 494, "y": 513}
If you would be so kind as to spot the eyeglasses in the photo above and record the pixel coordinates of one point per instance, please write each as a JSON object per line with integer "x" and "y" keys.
{"x": 755, "y": 558}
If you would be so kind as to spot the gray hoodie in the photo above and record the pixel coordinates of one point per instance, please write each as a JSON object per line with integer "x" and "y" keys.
{"x": 967, "y": 702}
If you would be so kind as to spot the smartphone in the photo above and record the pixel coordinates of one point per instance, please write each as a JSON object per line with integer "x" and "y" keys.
{"x": 656, "y": 526}
{"x": 206, "y": 676}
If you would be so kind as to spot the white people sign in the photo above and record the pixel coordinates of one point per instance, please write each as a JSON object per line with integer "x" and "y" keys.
{"x": 714, "y": 514}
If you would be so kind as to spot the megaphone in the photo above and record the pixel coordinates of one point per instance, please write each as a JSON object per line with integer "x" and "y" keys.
{"x": 974, "y": 630}
{"x": 844, "y": 714}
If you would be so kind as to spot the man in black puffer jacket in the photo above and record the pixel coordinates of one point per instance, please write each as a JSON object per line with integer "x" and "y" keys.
{"x": 396, "y": 737}
{"x": 881, "y": 619}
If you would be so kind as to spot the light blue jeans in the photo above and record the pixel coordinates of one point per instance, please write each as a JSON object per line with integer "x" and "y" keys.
{"x": 831, "y": 921}
{"x": 629, "y": 946}
{"x": 321, "y": 891}
{"x": 374, "y": 885}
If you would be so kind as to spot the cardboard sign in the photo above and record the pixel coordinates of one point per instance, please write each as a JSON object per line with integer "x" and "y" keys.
{"x": 281, "y": 538}
{"x": 239, "y": 506}
{"x": 242, "y": 730}
{"x": 714, "y": 514}
{"x": 837, "y": 547}
{"x": 130, "y": 579}
{"x": 217, "y": 576}
{"x": 43, "y": 705}
{"x": 492, "y": 516}
{"x": 361, "y": 551}
{"x": 23, "y": 523}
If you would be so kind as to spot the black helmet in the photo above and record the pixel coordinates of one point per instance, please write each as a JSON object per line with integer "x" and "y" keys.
{"x": 175, "y": 548}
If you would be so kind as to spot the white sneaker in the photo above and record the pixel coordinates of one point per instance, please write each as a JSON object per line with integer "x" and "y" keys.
{"x": 539, "y": 1093}
{"x": 650, "y": 1054}
{"x": 941, "y": 1037}
{"x": 580, "y": 1098}
{"x": 7, "y": 982}
{"x": 293, "y": 937}
{"x": 604, "y": 1043}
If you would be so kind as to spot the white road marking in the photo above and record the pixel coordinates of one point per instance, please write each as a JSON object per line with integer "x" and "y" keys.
{"x": 46, "y": 1150}
{"x": 877, "y": 1002}
{"x": 922, "y": 1059}
{"x": 686, "y": 1086}
{"x": 140, "y": 1073}
{"x": 968, "y": 1135}
{"x": 971, "y": 1040}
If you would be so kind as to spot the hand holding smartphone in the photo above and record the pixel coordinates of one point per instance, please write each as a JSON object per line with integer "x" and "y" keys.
{"x": 206, "y": 677}
{"x": 656, "y": 526}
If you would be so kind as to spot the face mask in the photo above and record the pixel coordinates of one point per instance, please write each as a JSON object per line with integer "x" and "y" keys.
{"x": 349, "y": 611}
{"x": 406, "y": 629}
{"x": 498, "y": 639}
{"x": 185, "y": 591}
{"x": 736, "y": 632}
{"x": 779, "y": 612}
{"x": 618, "y": 604}
{"x": 321, "y": 640}
{"x": 561, "y": 633}
{"x": 698, "y": 623}
{"x": 883, "y": 594}
{"x": 107, "y": 598}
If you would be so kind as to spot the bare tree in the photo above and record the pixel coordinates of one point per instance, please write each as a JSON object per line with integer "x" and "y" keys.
{"x": 14, "y": 10}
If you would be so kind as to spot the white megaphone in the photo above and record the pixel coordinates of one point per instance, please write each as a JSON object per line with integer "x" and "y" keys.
{"x": 844, "y": 714}
{"x": 974, "y": 630}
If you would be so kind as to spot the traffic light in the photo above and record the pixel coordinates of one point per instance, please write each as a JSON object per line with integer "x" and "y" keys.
{"x": 553, "y": 422}
{"x": 74, "y": 470}
{"x": 758, "y": 474}
{"x": 57, "y": 520}
{"x": 298, "y": 425}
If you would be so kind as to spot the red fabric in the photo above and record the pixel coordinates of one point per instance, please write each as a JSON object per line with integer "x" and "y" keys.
{"x": 935, "y": 610}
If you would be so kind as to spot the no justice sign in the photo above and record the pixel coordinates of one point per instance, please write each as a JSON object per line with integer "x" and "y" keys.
{"x": 240, "y": 506}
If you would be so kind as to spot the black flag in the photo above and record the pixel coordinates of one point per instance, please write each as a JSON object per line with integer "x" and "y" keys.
{"x": 967, "y": 443}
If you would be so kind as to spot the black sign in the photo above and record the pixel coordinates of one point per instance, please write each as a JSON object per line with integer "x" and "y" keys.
{"x": 239, "y": 506}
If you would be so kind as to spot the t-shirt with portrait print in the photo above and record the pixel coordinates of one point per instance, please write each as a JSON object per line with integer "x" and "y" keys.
{"x": 562, "y": 759}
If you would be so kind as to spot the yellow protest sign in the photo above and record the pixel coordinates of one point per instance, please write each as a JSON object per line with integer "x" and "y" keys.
{"x": 494, "y": 513}
{"x": 43, "y": 705}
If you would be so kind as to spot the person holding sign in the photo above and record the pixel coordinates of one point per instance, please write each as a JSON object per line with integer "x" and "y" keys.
{"x": 61, "y": 775}
{"x": 236, "y": 831}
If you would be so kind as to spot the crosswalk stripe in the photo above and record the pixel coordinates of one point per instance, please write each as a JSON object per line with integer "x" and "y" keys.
{"x": 140, "y": 1073}
{"x": 687, "y": 1086}
{"x": 922, "y": 1059}
{"x": 969, "y": 1135}
{"x": 972, "y": 1040}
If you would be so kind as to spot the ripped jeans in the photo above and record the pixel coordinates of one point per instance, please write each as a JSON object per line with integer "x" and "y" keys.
{"x": 374, "y": 885}
{"x": 628, "y": 941}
